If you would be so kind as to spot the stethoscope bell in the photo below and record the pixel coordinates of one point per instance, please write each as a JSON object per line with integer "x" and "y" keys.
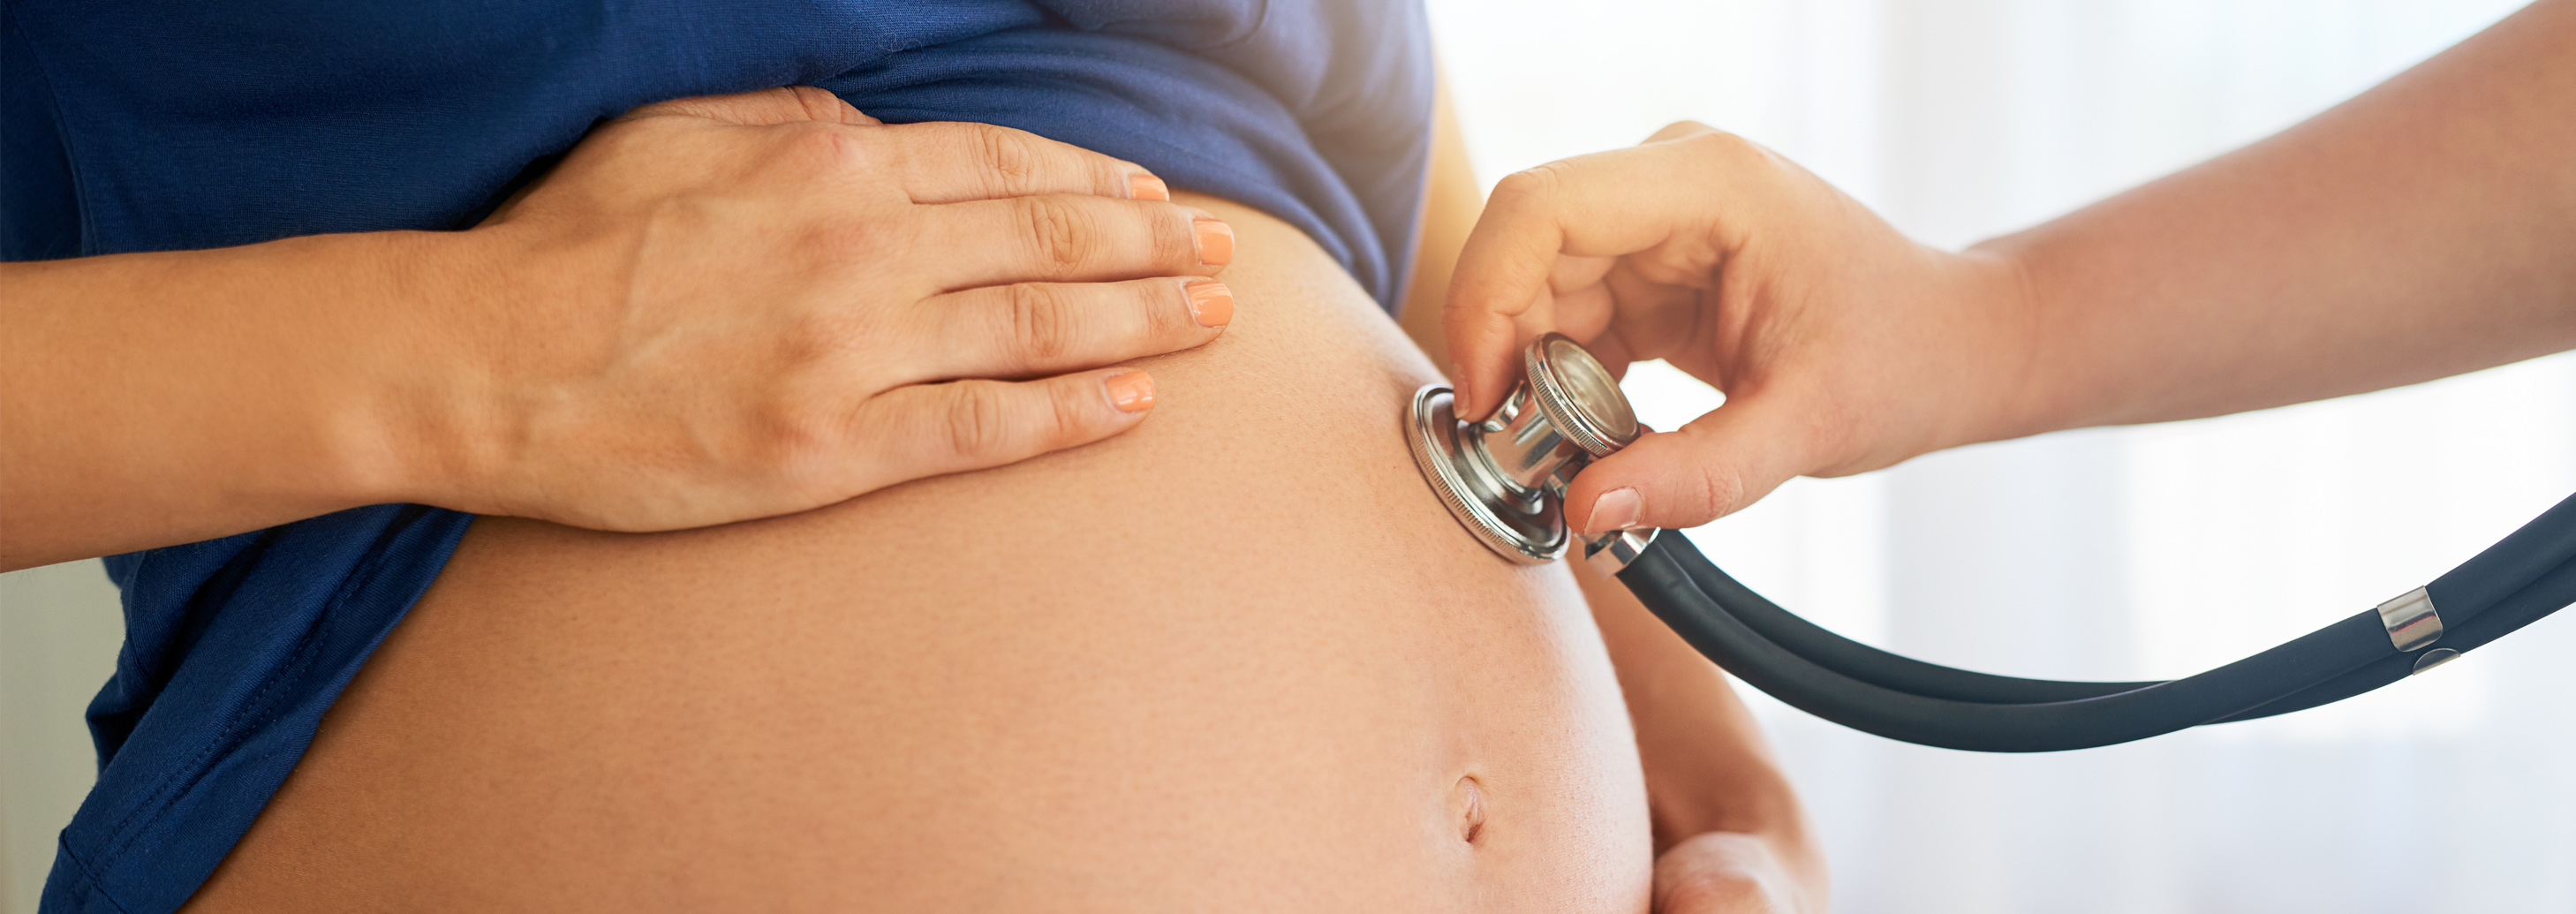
{"x": 1505, "y": 478}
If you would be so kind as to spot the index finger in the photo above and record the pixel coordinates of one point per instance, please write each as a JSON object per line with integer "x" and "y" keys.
{"x": 954, "y": 162}
{"x": 1605, "y": 204}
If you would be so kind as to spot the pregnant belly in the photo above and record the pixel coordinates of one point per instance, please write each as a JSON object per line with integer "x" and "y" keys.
{"x": 1237, "y": 660}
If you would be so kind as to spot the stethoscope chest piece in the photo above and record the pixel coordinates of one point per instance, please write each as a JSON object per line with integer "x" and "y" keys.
{"x": 1504, "y": 478}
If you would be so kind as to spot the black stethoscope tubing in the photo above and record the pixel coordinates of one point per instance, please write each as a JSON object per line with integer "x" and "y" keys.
{"x": 2520, "y": 579}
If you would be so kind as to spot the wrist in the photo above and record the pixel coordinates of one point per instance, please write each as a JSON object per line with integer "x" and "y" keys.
{"x": 2025, "y": 392}
{"x": 431, "y": 414}
{"x": 2088, "y": 358}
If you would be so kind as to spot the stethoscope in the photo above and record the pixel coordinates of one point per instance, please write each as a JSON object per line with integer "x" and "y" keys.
{"x": 1504, "y": 479}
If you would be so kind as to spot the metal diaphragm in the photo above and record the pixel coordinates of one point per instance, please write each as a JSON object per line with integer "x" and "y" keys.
{"x": 1505, "y": 478}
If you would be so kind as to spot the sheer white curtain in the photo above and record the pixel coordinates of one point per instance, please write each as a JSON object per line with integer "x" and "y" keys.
{"x": 2120, "y": 553}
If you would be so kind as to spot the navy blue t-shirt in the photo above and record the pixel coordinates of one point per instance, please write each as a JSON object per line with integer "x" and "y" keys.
{"x": 176, "y": 125}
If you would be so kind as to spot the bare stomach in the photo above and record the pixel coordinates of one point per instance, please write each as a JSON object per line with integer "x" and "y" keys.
{"x": 1237, "y": 660}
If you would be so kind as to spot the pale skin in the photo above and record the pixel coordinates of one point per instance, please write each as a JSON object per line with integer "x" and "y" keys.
{"x": 338, "y": 342}
{"x": 2423, "y": 229}
{"x": 713, "y": 310}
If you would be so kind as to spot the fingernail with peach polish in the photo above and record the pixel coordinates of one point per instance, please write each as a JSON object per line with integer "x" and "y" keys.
{"x": 1616, "y": 509}
{"x": 1130, "y": 391}
{"x": 1216, "y": 241}
{"x": 1147, "y": 187}
{"x": 1211, "y": 303}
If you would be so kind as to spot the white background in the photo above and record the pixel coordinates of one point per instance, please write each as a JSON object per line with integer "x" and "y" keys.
{"x": 2103, "y": 554}
{"x": 2106, "y": 554}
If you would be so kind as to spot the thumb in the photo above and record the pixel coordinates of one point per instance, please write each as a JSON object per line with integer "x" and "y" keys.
{"x": 1715, "y": 466}
{"x": 783, "y": 105}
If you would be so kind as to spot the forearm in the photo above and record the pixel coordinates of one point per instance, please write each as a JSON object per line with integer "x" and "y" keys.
{"x": 1707, "y": 766}
{"x": 164, "y": 398}
{"x": 2423, "y": 229}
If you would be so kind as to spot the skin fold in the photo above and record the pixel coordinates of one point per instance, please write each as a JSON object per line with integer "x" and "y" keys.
{"x": 1237, "y": 659}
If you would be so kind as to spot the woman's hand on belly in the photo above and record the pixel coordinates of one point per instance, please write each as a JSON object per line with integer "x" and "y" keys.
{"x": 713, "y": 309}
{"x": 718, "y": 309}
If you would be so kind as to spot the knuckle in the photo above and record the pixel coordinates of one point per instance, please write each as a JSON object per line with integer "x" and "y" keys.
{"x": 1108, "y": 176}
{"x": 1042, "y": 321}
{"x": 1679, "y": 130}
{"x": 1530, "y": 188}
{"x": 1010, "y": 158}
{"x": 798, "y": 437}
{"x": 808, "y": 152}
{"x": 1060, "y": 235}
{"x": 1722, "y": 492}
{"x": 1162, "y": 318}
{"x": 978, "y": 421}
{"x": 1715, "y": 490}
{"x": 1174, "y": 242}
{"x": 1726, "y": 149}
{"x": 819, "y": 144}
{"x": 1069, "y": 411}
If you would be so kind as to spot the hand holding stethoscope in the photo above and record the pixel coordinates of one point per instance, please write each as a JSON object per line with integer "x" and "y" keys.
{"x": 1845, "y": 347}
{"x": 2419, "y": 231}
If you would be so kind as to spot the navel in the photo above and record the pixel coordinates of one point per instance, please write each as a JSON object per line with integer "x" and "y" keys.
{"x": 1468, "y": 799}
